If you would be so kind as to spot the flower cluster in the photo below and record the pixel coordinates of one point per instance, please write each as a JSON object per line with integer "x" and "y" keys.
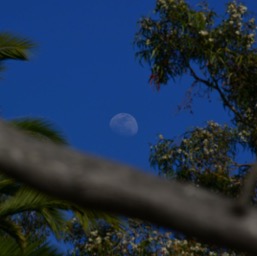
{"x": 237, "y": 23}
{"x": 204, "y": 156}
{"x": 236, "y": 10}
{"x": 167, "y": 3}
{"x": 141, "y": 238}
{"x": 203, "y": 32}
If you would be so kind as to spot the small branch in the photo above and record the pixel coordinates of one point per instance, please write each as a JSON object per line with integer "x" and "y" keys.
{"x": 95, "y": 183}
{"x": 217, "y": 88}
{"x": 197, "y": 78}
{"x": 230, "y": 106}
{"x": 244, "y": 165}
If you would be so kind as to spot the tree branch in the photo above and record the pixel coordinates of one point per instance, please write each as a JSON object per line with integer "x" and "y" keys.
{"x": 223, "y": 97}
{"x": 197, "y": 78}
{"x": 100, "y": 184}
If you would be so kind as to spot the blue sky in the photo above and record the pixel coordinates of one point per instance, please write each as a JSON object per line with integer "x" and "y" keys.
{"x": 83, "y": 71}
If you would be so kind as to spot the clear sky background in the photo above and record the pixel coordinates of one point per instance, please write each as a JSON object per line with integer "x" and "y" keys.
{"x": 83, "y": 71}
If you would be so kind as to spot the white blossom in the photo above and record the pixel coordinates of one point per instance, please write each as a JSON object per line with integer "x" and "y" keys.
{"x": 206, "y": 151}
{"x": 147, "y": 42}
{"x": 242, "y": 9}
{"x": 124, "y": 241}
{"x": 205, "y": 142}
{"x": 169, "y": 243}
{"x": 251, "y": 38}
{"x": 98, "y": 240}
{"x": 161, "y": 137}
{"x": 239, "y": 24}
{"x": 165, "y": 157}
{"x": 203, "y": 32}
{"x": 231, "y": 8}
{"x": 134, "y": 246}
{"x": 94, "y": 233}
{"x": 164, "y": 251}
{"x": 236, "y": 15}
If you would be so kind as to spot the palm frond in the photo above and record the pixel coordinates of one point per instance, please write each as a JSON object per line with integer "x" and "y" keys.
{"x": 13, "y": 230}
{"x": 27, "y": 199}
{"x": 39, "y": 128}
{"x": 13, "y": 47}
{"x": 42, "y": 250}
{"x": 9, "y": 247}
{"x": 8, "y": 187}
{"x": 4, "y": 182}
{"x": 89, "y": 218}
{"x": 55, "y": 220}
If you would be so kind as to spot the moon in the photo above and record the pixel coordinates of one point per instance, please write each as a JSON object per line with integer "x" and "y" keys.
{"x": 124, "y": 124}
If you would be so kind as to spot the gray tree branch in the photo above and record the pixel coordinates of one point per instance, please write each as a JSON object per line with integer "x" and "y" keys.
{"x": 104, "y": 185}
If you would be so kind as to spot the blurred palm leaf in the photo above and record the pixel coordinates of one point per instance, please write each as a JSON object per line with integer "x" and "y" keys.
{"x": 17, "y": 199}
{"x": 27, "y": 199}
{"x": 8, "y": 187}
{"x": 13, "y": 230}
{"x": 39, "y": 128}
{"x": 20, "y": 198}
{"x": 44, "y": 130}
{"x": 12, "y": 47}
{"x": 9, "y": 247}
{"x": 89, "y": 218}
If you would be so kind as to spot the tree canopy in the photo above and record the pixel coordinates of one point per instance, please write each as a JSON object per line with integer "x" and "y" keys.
{"x": 217, "y": 51}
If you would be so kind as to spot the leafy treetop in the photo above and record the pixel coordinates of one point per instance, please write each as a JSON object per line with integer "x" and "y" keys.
{"x": 219, "y": 53}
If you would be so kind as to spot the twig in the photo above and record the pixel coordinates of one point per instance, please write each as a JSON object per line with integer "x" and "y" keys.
{"x": 217, "y": 88}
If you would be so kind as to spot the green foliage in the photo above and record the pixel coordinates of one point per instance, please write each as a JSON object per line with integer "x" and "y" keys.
{"x": 14, "y": 231}
{"x": 139, "y": 238}
{"x": 204, "y": 156}
{"x": 219, "y": 54}
{"x": 28, "y": 216}
{"x": 40, "y": 213}
{"x": 135, "y": 240}
{"x": 39, "y": 128}
{"x": 17, "y": 199}
{"x": 12, "y": 47}
{"x": 9, "y": 247}
{"x": 28, "y": 211}
{"x": 24, "y": 210}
